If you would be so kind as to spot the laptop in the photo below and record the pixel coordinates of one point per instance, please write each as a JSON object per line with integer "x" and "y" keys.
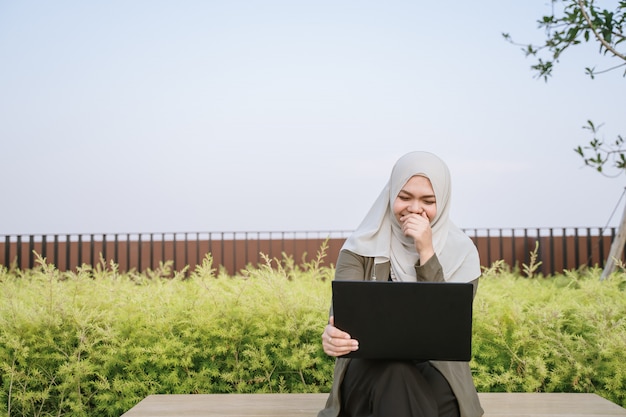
{"x": 406, "y": 320}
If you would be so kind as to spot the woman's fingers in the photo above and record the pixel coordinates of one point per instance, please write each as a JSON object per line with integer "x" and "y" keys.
{"x": 418, "y": 227}
{"x": 415, "y": 224}
{"x": 335, "y": 346}
{"x": 337, "y": 342}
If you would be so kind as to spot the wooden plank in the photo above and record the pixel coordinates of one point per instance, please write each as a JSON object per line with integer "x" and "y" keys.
{"x": 229, "y": 405}
{"x": 301, "y": 405}
{"x": 548, "y": 404}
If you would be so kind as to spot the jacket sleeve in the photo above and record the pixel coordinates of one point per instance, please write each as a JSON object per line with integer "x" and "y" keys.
{"x": 350, "y": 267}
{"x": 433, "y": 271}
{"x": 430, "y": 271}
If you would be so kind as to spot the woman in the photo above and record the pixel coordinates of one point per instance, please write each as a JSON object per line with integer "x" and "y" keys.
{"x": 406, "y": 236}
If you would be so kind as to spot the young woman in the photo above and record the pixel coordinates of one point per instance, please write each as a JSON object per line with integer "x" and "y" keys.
{"x": 406, "y": 236}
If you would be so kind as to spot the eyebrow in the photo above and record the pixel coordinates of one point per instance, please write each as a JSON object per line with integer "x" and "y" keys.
{"x": 424, "y": 196}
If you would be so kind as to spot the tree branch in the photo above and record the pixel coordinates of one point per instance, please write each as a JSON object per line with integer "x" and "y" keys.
{"x": 610, "y": 69}
{"x": 600, "y": 39}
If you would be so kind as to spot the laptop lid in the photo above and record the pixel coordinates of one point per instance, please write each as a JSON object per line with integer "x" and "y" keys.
{"x": 406, "y": 320}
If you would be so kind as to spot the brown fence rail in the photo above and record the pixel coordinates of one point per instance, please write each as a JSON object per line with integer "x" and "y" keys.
{"x": 558, "y": 248}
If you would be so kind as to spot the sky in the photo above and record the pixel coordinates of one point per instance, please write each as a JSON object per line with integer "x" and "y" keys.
{"x": 203, "y": 116}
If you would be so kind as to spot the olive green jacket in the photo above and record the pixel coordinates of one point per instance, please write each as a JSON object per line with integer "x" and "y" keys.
{"x": 351, "y": 266}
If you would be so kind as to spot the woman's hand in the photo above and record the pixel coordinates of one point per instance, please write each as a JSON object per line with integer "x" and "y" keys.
{"x": 337, "y": 342}
{"x": 418, "y": 227}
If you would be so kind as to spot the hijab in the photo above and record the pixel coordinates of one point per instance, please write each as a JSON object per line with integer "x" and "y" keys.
{"x": 380, "y": 235}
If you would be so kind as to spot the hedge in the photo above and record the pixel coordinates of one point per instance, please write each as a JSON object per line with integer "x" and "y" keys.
{"x": 96, "y": 341}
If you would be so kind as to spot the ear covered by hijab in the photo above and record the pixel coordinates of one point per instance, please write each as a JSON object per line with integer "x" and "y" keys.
{"x": 380, "y": 235}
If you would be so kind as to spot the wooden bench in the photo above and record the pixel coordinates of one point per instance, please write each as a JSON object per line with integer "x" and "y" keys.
{"x": 301, "y": 405}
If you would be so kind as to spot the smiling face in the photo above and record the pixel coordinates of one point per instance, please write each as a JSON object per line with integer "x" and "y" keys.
{"x": 417, "y": 196}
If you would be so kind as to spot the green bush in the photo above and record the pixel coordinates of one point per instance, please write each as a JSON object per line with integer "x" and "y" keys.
{"x": 561, "y": 334}
{"x": 96, "y": 341}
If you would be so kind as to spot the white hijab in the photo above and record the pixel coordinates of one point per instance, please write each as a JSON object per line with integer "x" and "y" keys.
{"x": 380, "y": 235}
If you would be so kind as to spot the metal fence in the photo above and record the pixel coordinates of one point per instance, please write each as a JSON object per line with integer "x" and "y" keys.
{"x": 558, "y": 248}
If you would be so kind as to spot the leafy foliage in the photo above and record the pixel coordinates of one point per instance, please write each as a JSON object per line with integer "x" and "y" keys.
{"x": 598, "y": 153}
{"x": 96, "y": 342}
{"x": 560, "y": 334}
{"x": 570, "y": 23}
{"x": 573, "y": 22}
{"x": 75, "y": 345}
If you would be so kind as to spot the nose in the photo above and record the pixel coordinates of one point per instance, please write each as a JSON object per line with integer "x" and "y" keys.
{"x": 414, "y": 207}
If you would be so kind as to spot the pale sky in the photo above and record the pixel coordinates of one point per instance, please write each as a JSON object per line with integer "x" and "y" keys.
{"x": 194, "y": 116}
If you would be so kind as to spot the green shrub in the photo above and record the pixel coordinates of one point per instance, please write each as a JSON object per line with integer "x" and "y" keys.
{"x": 96, "y": 341}
{"x": 561, "y": 334}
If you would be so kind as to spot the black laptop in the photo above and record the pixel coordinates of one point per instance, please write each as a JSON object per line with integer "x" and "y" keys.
{"x": 406, "y": 320}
